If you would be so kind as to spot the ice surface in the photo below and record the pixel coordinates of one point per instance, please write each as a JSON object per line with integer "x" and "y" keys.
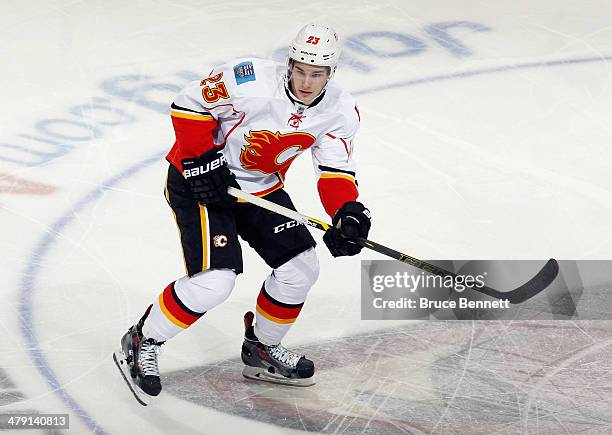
{"x": 485, "y": 134}
{"x": 434, "y": 377}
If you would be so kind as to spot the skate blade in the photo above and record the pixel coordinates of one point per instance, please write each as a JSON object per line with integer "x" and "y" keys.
{"x": 260, "y": 374}
{"x": 143, "y": 398}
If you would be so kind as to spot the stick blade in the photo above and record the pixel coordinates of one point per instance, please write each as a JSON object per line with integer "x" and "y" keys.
{"x": 535, "y": 285}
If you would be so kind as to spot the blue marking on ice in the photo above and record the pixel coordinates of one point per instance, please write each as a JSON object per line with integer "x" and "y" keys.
{"x": 36, "y": 261}
{"x": 481, "y": 72}
{"x": 29, "y": 282}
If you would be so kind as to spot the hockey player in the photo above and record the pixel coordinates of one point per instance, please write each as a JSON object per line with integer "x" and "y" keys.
{"x": 242, "y": 126}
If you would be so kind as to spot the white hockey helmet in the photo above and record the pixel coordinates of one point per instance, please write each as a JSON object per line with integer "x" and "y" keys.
{"x": 316, "y": 44}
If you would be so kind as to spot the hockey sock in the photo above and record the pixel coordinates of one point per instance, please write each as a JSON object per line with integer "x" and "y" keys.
{"x": 183, "y": 302}
{"x": 274, "y": 318}
{"x": 169, "y": 316}
{"x": 282, "y": 296}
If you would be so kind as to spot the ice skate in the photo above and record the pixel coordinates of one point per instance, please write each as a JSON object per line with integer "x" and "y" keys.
{"x": 273, "y": 363}
{"x": 137, "y": 361}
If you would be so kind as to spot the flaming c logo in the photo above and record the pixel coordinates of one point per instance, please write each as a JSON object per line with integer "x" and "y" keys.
{"x": 269, "y": 152}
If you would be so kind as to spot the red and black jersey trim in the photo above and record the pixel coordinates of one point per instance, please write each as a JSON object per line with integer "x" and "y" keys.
{"x": 336, "y": 187}
{"x": 194, "y": 133}
{"x": 340, "y": 171}
{"x": 176, "y": 107}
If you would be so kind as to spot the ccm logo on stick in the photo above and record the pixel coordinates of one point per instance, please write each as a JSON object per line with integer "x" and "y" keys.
{"x": 210, "y": 166}
{"x": 290, "y": 224}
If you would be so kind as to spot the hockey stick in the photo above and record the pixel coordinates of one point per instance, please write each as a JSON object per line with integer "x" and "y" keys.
{"x": 535, "y": 285}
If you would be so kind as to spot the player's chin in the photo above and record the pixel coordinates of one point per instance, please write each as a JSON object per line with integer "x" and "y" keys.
{"x": 307, "y": 97}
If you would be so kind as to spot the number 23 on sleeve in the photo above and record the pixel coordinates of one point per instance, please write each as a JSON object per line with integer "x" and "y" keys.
{"x": 213, "y": 89}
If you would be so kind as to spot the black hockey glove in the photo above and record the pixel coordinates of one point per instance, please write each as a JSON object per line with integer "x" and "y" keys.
{"x": 352, "y": 220}
{"x": 209, "y": 177}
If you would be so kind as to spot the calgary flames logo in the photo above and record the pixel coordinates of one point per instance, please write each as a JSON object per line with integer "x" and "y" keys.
{"x": 269, "y": 152}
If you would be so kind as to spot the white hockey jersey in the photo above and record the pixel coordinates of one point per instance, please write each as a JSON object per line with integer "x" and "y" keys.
{"x": 244, "y": 108}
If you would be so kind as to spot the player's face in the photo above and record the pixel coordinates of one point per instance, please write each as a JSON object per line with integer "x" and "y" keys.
{"x": 307, "y": 81}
